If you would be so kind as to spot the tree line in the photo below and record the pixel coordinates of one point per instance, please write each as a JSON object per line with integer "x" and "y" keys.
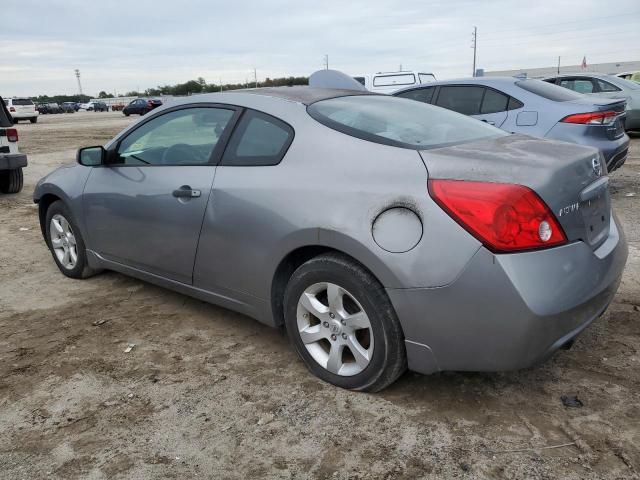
{"x": 191, "y": 87}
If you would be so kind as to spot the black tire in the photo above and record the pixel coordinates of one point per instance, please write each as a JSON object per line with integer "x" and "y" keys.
{"x": 11, "y": 181}
{"x": 125, "y": 114}
{"x": 33, "y": 120}
{"x": 388, "y": 359}
{"x": 81, "y": 268}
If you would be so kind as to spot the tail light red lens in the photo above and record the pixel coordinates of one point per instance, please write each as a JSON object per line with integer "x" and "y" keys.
{"x": 12, "y": 109}
{"x": 592, "y": 118}
{"x": 504, "y": 217}
{"x": 12, "y": 134}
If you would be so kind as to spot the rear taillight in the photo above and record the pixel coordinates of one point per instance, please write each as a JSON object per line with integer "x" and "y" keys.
{"x": 12, "y": 109}
{"x": 12, "y": 134}
{"x": 592, "y": 118}
{"x": 504, "y": 217}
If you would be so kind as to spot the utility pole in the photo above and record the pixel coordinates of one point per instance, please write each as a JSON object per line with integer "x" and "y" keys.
{"x": 78, "y": 78}
{"x": 558, "y": 65}
{"x": 255, "y": 77}
{"x": 326, "y": 61}
{"x": 220, "y": 83}
{"x": 474, "y": 39}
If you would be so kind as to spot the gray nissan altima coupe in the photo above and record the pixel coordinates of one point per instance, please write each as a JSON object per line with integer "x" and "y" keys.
{"x": 380, "y": 232}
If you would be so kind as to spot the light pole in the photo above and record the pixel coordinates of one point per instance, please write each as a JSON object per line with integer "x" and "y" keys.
{"x": 474, "y": 39}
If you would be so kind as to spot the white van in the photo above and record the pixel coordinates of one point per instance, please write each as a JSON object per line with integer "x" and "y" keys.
{"x": 389, "y": 82}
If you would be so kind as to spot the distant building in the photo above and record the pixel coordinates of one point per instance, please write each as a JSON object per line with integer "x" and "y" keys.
{"x": 612, "y": 68}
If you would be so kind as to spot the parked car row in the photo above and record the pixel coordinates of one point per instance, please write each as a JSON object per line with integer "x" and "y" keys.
{"x": 383, "y": 233}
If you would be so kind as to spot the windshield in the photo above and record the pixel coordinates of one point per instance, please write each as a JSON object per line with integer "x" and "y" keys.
{"x": 549, "y": 90}
{"x": 399, "y": 122}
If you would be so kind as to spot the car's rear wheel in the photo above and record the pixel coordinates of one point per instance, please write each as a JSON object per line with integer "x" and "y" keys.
{"x": 33, "y": 120}
{"x": 11, "y": 181}
{"x": 66, "y": 243}
{"x": 342, "y": 324}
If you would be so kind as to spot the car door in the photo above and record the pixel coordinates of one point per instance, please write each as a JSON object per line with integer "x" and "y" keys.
{"x": 494, "y": 106}
{"x": 144, "y": 208}
{"x": 242, "y": 224}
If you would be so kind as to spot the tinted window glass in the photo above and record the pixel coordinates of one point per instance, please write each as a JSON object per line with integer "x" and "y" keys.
{"x": 548, "y": 90}
{"x": 399, "y": 122}
{"x": 579, "y": 85}
{"x": 392, "y": 80}
{"x": 461, "y": 99}
{"x": 606, "y": 86}
{"x": 360, "y": 80}
{"x": 22, "y": 101}
{"x": 420, "y": 94}
{"x": 259, "y": 140}
{"x": 514, "y": 104}
{"x": 181, "y": 137}
{"x": 494, "y": 102}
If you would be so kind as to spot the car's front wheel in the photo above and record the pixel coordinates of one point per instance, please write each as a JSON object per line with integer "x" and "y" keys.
{"x": 342, "y": 324}
{"x": 66, "y": 243}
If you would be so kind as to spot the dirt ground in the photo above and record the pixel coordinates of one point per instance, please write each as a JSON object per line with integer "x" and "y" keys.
{"x": 209, "y": 393}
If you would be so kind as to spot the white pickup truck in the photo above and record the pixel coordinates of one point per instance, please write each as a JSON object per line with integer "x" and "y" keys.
{"x": 11, "y": 161}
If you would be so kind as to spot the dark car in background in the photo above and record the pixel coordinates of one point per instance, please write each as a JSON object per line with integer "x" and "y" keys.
{"x": 45, "y": 108}
{"x": 69, "y": 107}
{"x": 140, "y": 106}
{"x": 533, "y": 107}
{"x": 97, "y": 107}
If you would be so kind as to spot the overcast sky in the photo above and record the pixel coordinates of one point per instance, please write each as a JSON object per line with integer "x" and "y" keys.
{"x": 121, "y": 46}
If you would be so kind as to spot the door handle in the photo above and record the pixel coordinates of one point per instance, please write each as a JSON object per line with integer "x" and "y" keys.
{"x": 490, "y": 122}
{"x": 186, "y": 191}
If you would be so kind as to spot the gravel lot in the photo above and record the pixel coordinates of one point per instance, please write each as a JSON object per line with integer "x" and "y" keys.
{"x": 210, "y": 393}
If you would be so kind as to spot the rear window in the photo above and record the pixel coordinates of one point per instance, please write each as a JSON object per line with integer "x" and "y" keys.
{"x": 548, "y": 90}
{"x": 393, "y": 80}
{"x": 399, "y": 122}
{"x": 22, "y": 101}
{"x": 426, "y": 77}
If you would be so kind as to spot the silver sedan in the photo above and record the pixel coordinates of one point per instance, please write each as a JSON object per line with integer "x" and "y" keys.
{"x": 380, "y": 232}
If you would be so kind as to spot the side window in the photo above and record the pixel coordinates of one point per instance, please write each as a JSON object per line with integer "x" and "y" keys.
{"x": 494, "y": 102}
{"x": 258, "y": 140}
{"x": 360, "y": 80}
{"x": 606, "y": 86}
{"x": 461, "y": 99}
{"x": 421, "y": 94}
{"x": 181, "y": 137}
{"x": 514, "y": 104}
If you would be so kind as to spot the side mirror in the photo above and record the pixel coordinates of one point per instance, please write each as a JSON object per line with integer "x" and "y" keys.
{"x": 91, "y": 156}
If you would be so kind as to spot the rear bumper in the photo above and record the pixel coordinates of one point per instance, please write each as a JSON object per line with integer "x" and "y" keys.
{"x": 507, "y": 312}
{"x": 12, "y": 161}
{"x": 22, "y": 115}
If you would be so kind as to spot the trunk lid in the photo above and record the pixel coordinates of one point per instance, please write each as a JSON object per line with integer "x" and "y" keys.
{"x": 600, "y": 104}
{"x": 571, "y": 179}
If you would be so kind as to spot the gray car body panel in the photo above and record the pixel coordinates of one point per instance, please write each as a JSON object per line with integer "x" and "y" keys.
{"x": 327, "y": 192}
{"x": 540, "y": 117}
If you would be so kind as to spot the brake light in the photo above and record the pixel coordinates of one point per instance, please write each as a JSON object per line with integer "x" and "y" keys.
{"x": 504, "y": 217}
{"x": 12, "y": 109}
{"x": 592, "y": 118}
{"x": 12, "y": 134}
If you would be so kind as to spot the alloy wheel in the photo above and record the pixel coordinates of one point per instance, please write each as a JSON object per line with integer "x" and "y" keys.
{"x": 63, "y": 241}
{"x": 335, "y": 329}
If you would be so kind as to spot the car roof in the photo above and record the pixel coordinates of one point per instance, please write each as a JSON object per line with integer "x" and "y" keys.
{"x": 302, "y": 94}
{"x": 492, "y": 81}
{"x": 582, "y": 74}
